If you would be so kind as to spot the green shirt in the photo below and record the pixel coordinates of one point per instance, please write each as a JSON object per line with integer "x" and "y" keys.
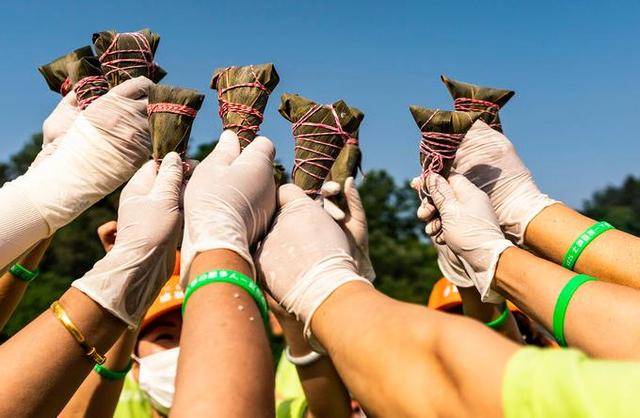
{"x": 290, "y": 399}
{"x": 550, "y": 383}
{"x": 132, "y": 402}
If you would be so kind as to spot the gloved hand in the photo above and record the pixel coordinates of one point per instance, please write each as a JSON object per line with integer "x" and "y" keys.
{"x": 104, "y": 147}
{"x": 56, "y": 125}
{"x": 127, "y": 280}
{"x": 305, "y": 256}
{"x": 469, "y": 227}
{"x": 229, "y": 201}
{"x": 353, "y": 222}
{"x": 489, "y": 160}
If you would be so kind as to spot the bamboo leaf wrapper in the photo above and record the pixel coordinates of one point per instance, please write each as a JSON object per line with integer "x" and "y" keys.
{"x": 320, "y": 132}
{"x": 442, "y": 132}
{"x": 56, "y": 73}
{"x": 243, "y": 93}
{"x": 472, "y": 98}
{"x": 128, "y": 55}
{"x": 171, "y": 114}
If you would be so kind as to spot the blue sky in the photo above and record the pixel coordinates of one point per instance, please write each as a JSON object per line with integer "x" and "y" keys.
{"x": 574, "y": 66}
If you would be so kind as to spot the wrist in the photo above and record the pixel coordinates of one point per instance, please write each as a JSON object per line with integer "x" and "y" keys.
{"x": 504, "y": 274}
{"x": 219, "y": 259}
{"x": 516, "y": 217}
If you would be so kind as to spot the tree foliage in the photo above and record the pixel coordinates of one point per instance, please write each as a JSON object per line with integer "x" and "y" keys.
{"x": 618, "y": 205}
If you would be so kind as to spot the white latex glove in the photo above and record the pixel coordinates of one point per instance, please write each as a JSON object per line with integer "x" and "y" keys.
{"x": 104, "y": 147}
{"x": 229, "y": 201}
{"x": 127, "y": 280}
{"x": 469, "y": 227}
{"x": 305, "y": 256}
{"x": 489, "y": 160}
{"x": 353, "y": 222}
{"x": 56, "y": 125}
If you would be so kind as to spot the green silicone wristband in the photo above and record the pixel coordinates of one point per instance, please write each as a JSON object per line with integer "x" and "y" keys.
{"x": 23, "y": 273}
{"x": 562, "y": 304}
{"x": 578, "y": 246}
{"x": 232, "y": 277}
{"x": 112, "y": 374}
{"x": 499, "y": 321}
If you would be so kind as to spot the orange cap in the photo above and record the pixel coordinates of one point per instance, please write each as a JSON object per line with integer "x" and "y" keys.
{"x": 444, "y": 295}
{"x": 169, "y": 298}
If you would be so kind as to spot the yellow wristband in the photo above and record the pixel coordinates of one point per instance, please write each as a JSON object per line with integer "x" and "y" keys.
{"x": 75, "y": 332}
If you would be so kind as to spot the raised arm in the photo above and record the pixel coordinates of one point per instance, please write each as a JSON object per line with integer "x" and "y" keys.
{"x": 529, "y": 217}
{"x": 611, "y": 256}
{"x": 14, "y": 282}
{"x": 229, "y": 203}
{"x": 589, "y": 320}
{"x": 100, "y": 151}
{"x": 97, "y": 396}
{"x": 325, "y": 394}
{"x": 73, "y": 335}
{"x": 396, "y": 358}
{"x": 407, "y": 360}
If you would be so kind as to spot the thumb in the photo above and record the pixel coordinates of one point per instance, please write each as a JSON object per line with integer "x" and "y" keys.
{"x": 141, "y": 182}
{"x": 354, "y": 203}
{"x": 225, "y": 152}
{"x": 464, "y": 189}
{"x": 169, "y": 179}
{"x": 440, "y": 191}
{"x": 289, "y": 193}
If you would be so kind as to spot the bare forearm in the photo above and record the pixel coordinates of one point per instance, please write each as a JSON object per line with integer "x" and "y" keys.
{"x": 11, "y": 293}
{"x": 97, "y": 397}
{"x": 12, "y": 289}
{"x": 598, "y": 313}
{"x": 325, "y": 393}
{"x": 426, "y": 355}
{"x": 61, "y": 362}
{"x": 223, "y": 340}
{"x": 612, "y": 257}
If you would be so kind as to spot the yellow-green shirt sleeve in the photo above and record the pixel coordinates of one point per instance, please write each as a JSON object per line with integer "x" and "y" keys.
{"x": 290, "y": 399}
{"x": 550, "y": 383}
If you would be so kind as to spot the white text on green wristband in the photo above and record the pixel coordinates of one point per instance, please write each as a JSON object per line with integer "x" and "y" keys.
{"x": 578, "y": 246}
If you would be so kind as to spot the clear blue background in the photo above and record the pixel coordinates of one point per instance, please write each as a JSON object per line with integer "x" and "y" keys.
{"x": 574, "y": 66}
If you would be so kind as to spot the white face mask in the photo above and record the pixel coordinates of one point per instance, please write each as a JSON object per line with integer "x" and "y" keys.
{"x": 157, "y": 378}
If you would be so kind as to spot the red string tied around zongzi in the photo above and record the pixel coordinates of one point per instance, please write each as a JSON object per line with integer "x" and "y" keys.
{"x": 89, "y": 89}
{"x": 467, "y": 104}
{"x": 142, "y": 56}
{"x": 225, "y": 106}
{"x": 436, "y": 147}
{"x": 305, "y": 141}
{"x": 65, "y": 87}
{"x": 171, "y": 108}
